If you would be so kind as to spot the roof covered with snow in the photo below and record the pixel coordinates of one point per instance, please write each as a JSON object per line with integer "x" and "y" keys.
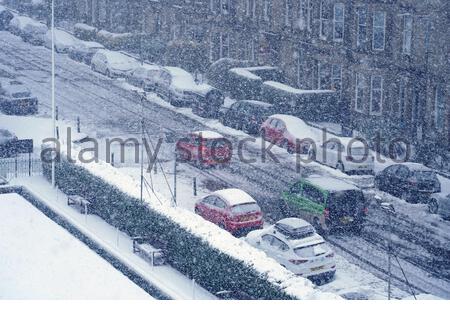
{"x": 206, "y": 134}
{"x": 293, "y": 223}
{"x": 234, "y": 196}
{"x": 331, "y": 184}
{"x": 289, "y": 89}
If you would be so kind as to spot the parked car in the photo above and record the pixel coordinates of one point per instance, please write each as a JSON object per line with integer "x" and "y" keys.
{"x": 179, "y": 88}
{"x": 84, "y": 51}
{"x": 288, "y": 131}
{"x": 205, "y": 148}
{"x": 28, "y": 29}
{"x": 294, "y": 243}
{"x": 63, "y": 41}
{"x": 345, "y": 154}
{"x": 232, "y": 209}
{"x": 6, "y": 139}
{"x": 5, "y": 18}
{"x": 246, "y": 115}
{"x": 149, "y": 76}
{"x": 413, "y": 182}
{"x": 16, "y": 98}
{"x": 113, "y": 64}
{"x": 327, "y": 203}
{"x": 440, "y": 204}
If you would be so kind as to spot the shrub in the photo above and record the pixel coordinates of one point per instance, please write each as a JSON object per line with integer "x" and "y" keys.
{"x": 190, "y": 254}
{"x": 85, "y": 32}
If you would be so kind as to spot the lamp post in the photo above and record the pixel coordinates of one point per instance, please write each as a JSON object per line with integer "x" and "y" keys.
{"x": 52, "y": 26}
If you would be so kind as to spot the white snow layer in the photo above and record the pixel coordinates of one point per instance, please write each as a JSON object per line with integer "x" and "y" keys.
{"x": 41, "y": 260}
{"x": 298, "y": 287}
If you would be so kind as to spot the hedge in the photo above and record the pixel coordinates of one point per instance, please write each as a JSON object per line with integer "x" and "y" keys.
{"x": 218, "y": 75}
{"x": 191, "y": 255}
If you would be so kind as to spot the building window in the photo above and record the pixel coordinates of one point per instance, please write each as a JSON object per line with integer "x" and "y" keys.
{"x": 402, "y": 99}
{"x": 266, "y": 10}
{"x": 359, "y": 92}
{"x": 336, "y": 78}
{"x": 250, "y": 50}
{"x": 224, "y": 45}
{"x": 250, "y": 8}
{"x": 212, "y": 6}
{"x": 214, "y": 47}
{"x": 304, "y": 15}
{"x": 379, "y": 30}
{"x": 407, "y": 34}
{"x": 287, "y": 12}
{"x": 361, "y": 32}
{"x": 323, "y": 76}
{"x": 376, "y": 95}
{"x": 439, "y": 107}
{"x": 338, "y": 22}
{"x": 224, "y": 6}
{"x": 323, "y": 20}
{"x": 302, "y": 69}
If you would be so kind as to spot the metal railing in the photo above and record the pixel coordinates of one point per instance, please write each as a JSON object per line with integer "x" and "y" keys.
{"x": 20, "y": 167}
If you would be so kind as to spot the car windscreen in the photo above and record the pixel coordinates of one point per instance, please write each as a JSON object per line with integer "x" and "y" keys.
{"x": 425, "y": 175}
{"x": 245, "y": 208}
{"x": 346, "y": 202}
{"x": 314, "y": 250}
{"x": 216, "y": 143}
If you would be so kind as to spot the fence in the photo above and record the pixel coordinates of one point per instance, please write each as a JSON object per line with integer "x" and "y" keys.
{"x": 20, "y": 167}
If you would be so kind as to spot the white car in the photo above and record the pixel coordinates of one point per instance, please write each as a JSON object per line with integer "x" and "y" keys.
{"x": 113, "y": 64}
{"x": 64, "y": 41}
{"x": 295, "y": 244}
{"x": 29, "y": 29}
{"x": 344, "y": 154}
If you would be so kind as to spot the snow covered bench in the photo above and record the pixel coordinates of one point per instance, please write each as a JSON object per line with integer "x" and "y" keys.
{"x": 142, "y": 248}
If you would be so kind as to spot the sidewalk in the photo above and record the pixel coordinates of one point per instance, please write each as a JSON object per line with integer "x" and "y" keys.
{"x": 165, "y": 278}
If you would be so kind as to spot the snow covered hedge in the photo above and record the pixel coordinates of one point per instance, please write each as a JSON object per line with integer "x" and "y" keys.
{"x": 310, "y": 105}
{"x": 85, "y": 32}
{"x": 197, "y": 248}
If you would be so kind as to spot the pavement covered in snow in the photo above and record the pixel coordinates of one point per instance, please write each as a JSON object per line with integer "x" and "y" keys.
{"x": 41, "y": 260}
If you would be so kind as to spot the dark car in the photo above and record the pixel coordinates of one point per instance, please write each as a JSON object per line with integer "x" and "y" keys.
{"x": 413, "y": 182}
{"x": 246, "y": 115}
{"x": 206, "y": 102}
{"x": 84, "y": 51}
{"x": 5, "y": 17}
{"x": 16, "y": 98}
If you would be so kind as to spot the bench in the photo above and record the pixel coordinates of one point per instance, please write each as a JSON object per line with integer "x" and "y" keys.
{"x": 76, "y": 200}
{"x": 142, "y": 248}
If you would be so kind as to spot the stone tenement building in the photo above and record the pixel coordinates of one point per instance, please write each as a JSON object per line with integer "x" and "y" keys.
{"x": 388, "y": 59}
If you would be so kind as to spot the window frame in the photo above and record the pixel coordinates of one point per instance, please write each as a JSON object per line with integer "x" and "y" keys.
{"x": 407, "y": 34}
{"x": 322, "y": 21}
{"x": 359, "y": 25}
{"x": 379, "y": 27}
{"x": 335, "y": 22}
{"x": 372, "y": 89}
{"x": 360, "y": 83}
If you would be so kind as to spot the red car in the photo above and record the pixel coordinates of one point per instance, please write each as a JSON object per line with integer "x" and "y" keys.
{"x": 232, "y": 209}
{"x": 285, "y": 131}
{"x": 204, "y": 148}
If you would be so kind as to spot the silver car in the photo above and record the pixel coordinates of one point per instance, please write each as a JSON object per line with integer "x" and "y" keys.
{"x": 440, "y": 204}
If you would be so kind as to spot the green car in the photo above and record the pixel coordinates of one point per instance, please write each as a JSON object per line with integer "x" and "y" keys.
{"x": 327, "y": 203}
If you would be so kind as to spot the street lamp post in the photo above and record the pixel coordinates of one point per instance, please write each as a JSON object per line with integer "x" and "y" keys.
{"x": 52, "y": 26}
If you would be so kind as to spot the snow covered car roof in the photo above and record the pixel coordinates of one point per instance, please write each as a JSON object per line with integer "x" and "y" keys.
{"x": 296, "y": 126}
{"x": 234, "y": 196}
{"x": 23, "y": 22}
{"x": 331, "y": 184}
{"x": 287, "y": 88}
{"x": 205, "y": 134}
{"x": 61, "y": 37}
{"x": 293, "y": 223}
{"x": 184, "y": 81}
{"x": 90, "y": 44}
{"x": 13, "y": 86}
{"x": 257, "y": 103}
{"x": 118, "y": 59}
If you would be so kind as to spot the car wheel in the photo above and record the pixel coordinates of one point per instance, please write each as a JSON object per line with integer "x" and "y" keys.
{"x": 340, "y": 167}
{"x": 406, "y": 196}
{"x": 197, "y": 211}
{"x": 285, "y": 145}
{"x": 433, "y": 206}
